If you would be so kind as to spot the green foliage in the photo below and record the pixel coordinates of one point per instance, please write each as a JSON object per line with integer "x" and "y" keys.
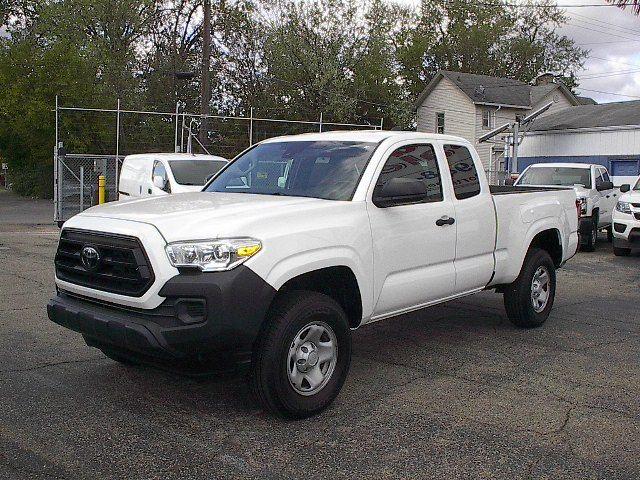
{"x": 351, "y": 61}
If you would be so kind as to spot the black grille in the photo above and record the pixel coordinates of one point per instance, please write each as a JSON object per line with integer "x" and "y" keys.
{"x": 637, "y": 205}
{"x": 122, "y": 268}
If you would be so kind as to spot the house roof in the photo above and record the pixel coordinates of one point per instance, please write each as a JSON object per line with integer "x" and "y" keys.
{"x": 538, "y": 92}
{"x": 590, "y": 116}
{"x": 488, "y": 90}
{"x": 586, "y": 101}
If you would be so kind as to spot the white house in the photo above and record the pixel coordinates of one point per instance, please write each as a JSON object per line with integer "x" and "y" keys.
{"x": 470, "y": 105}
{"x": 607, "y": 134}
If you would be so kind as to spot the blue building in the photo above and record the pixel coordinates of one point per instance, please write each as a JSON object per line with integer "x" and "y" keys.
{"x": 606, "y": 134}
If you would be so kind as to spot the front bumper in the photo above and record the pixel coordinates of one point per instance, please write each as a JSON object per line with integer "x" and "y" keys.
{"x": 235, "y": 305}
{"x": 626, "y": 230}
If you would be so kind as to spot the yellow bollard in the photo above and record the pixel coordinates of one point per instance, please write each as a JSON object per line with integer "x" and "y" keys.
{"x": 101, "y": 184}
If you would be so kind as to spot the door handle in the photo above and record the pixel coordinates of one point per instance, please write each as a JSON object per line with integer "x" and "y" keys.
{"x": 445, "y": 221}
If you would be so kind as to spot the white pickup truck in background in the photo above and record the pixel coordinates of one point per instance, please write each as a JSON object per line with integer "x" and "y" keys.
{"x": 595, "y": 193}
{"x": 298, "y": 241}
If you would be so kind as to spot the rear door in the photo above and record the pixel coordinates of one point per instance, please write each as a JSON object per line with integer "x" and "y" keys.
{"x": 475, "y": 218}
{"x": 413, "y": 244}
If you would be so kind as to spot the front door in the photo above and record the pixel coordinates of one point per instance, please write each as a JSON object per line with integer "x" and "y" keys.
{"x": 413, "y": 245}
{"x": 607, "y": 199}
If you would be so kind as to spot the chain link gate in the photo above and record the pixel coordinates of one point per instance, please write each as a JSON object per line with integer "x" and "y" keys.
{"x": 77, "y": 182}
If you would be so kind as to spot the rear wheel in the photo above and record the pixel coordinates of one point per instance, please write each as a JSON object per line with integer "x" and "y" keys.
{"x": 621, "y": 252}
{"x": 528, "y": 300}
{"x": 303, "y": 355}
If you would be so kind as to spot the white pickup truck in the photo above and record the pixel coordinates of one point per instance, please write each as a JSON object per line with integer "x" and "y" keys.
{"x": 295, "y": 243}
{"x": 594, "y": 191}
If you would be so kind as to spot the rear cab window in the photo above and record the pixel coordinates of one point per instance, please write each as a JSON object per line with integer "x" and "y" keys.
{"x": 464, "y": 175}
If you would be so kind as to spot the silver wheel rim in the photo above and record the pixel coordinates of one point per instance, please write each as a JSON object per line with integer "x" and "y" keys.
{"x": 312, "y": 358}
{"x": 540, "y": 289}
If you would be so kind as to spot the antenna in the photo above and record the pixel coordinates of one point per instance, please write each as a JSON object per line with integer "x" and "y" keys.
{"x": 494, "y": 132}
{"x": 534, "y": 115}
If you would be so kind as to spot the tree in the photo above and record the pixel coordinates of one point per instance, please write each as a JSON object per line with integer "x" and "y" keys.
{"x": 497, "y": 39}
{"x": 634, "y": 4}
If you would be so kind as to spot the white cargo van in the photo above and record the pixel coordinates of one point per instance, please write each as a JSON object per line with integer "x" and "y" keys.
{"x": 161, "y": 173}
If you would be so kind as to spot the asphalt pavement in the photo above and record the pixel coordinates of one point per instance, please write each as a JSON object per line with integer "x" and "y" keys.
{"x": 450, "y": 392}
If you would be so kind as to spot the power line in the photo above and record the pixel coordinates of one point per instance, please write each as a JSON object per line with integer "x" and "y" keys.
{"x": 592, "y": 29}
{"x": 542, "y": 7}
{"x": 606, "y": 24}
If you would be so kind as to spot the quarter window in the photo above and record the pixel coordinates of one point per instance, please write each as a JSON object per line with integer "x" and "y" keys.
{"x": 464, "y": 175}
{"x": 440, "y": 122}
{"x": 413, "y": 161}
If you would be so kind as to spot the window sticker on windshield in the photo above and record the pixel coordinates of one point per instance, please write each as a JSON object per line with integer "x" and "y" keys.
{"x": 322, "y": 160}
{"x": 262, "y": 175}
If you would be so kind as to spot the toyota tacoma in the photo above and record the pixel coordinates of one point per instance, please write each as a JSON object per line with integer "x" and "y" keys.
{"x": 297, "y": 242}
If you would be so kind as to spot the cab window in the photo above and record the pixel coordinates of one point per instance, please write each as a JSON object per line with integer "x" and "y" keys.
{"x": 413, "y": 161}
{"x": 466, "y": 183}
{"x": 599, "y": 179}
{"x": 160, "y": 171}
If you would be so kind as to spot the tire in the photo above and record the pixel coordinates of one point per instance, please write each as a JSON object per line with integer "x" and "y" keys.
{"x": 120, "y": 359}
{"x": 621, "y": 252}
{"x": 610, "y": 234}
{"x": 277, "y": 381}
{"x": 519, "y": 296}
{"x": 589, "y": 244}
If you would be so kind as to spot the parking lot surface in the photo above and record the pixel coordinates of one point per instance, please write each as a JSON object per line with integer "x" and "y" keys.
{"x": 450, "y": 392}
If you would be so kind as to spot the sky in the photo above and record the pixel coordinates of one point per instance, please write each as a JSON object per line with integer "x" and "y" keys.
{"x": 613, "y": 37}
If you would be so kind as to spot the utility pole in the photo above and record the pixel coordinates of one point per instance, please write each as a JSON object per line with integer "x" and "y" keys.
{"x": 205, "y": 87}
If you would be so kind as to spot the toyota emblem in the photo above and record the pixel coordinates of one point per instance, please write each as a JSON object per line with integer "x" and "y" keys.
{"x": 90, "y": 258}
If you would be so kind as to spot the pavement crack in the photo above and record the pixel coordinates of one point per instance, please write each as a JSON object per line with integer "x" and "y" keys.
{"x": 50, "y": 364}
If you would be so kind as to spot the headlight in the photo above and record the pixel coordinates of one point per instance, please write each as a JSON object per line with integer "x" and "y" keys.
{"x": 624, "y": 207}
{"x": 213, "y": 255}
{"x": 582, "y": 205}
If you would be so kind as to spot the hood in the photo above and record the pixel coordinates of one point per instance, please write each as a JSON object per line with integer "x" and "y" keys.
{"x": 200, "y": 215}
{"x": 632, "y": 196}
{"x": 177, "y": 188}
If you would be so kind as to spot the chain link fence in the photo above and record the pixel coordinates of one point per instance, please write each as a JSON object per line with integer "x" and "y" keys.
{"x": 91, "y": 142}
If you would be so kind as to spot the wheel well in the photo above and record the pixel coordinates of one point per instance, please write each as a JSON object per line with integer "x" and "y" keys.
{"x": 337, "y": 282}
{"x": 549, "y": 240}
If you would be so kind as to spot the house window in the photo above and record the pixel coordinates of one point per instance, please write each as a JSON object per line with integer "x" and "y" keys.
{"x": 440, "y": 122}
{"x": 488, "y": 118}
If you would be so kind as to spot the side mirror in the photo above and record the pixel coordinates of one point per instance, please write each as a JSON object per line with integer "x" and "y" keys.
{"x": 159, "y": 182}
{"x": 625, "y": 187}
{"x": 604, "y": 186}
{"x": 400, "y": 191}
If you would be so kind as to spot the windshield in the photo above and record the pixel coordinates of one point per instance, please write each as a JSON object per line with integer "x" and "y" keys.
{"x": 194, "y": 172}
{"x": 567, "y": 176}
{"x": 329, "y": 169}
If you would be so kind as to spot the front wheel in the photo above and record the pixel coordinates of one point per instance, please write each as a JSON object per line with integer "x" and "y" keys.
{"x": 303, "y": 355}
{"x": 528, "y": 300}
{"x": 591, "y": 237}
